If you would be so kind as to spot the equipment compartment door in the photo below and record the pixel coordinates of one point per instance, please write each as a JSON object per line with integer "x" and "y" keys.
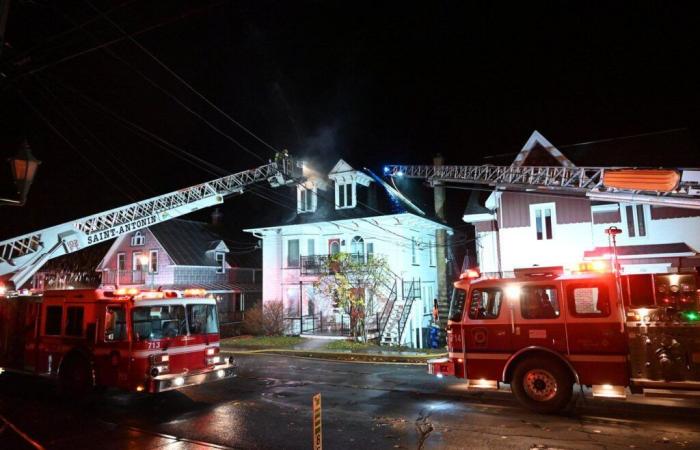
{"x": 539, "y": 317}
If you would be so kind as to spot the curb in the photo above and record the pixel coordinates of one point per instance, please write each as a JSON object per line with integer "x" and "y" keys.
{"x": 347, "y": 357}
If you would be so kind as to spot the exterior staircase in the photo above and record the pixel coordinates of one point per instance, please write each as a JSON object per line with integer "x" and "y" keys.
{"x": 399, "y": 313}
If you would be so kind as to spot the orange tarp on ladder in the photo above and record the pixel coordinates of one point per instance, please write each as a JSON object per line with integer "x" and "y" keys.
{"x": 661, "y": 180}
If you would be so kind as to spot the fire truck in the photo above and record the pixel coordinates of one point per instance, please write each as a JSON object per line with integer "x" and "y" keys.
{"x": 547, "y": 329}
{"x": 150, "y": 341}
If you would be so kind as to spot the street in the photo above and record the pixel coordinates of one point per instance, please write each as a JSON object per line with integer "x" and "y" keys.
{"x": 365, "y": 406}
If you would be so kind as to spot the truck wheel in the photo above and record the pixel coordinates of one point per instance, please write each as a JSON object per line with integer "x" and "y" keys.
{"x": 542, "y": 385}
{"x": 76, "y": 376}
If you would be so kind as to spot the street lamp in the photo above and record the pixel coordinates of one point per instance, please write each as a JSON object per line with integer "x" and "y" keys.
{"x": 24, "y": 166}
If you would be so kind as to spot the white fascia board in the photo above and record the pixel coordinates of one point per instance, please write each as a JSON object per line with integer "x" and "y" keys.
{"x": 474, "y": 218}
{"x": 610, "y": 207}
{"x": 492, "y": 201}
{"x": 651, "y": 255}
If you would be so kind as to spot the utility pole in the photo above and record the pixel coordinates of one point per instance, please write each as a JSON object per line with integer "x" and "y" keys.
{"x": 4, "y": 12}
{"x": 441, "y": 248}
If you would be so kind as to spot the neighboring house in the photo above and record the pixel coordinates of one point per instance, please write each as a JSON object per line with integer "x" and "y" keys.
{"x": 522, "y": 229}
{"x": 181, "y": 254}
{"x": 346, "y": 211}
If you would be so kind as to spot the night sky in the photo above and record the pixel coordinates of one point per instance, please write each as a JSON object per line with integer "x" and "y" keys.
{"x": 372, "y": 82}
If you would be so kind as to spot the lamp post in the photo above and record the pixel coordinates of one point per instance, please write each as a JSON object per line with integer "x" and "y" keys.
{"x": 24, "y": 166}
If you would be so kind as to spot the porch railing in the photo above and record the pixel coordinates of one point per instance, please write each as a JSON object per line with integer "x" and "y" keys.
{"x": 124, "y": 277}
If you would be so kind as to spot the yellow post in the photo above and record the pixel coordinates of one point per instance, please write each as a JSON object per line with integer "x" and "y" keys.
{"x": 318, "y": 435}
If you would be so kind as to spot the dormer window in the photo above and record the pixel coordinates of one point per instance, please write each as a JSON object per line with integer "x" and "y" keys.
{"x": 306, "y": 199}
{"x": 345, "y": 195}
{"x": 220, "y": 262}
{"x": 138, "y": 239}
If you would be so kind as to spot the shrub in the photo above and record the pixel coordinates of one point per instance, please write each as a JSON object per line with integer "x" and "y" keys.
{"x": 253, "y": 321}
{"x": 273, "y": 318}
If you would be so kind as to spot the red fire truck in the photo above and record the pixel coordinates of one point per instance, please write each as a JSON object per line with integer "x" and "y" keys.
{"x": 150, "y": 341}
{"x": 545, "y": 330}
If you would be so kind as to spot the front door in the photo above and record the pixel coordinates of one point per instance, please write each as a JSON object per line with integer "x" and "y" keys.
{"x": 333, "y": 246}
{"x": 486, "y": 333}
{"x": 112, "y": 348}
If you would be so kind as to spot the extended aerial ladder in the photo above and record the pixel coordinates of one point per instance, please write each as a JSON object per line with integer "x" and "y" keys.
{"x": 22, "y": 256}
{"x": 667, "y": 187}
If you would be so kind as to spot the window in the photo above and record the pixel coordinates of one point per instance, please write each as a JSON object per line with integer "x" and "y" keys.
{"x": 306, "y": 200}
{"x": 539, "y": 302}
{"x": 485, "y": 304}
{"x": 137, "y": 239}
{"x": 121, "y": 262}
{"x": 54, "y": 317}
{"x": 344, "y": 195}
{"x": 202, "y": 319}
{"x": 457, "y": 304}
{"x": 431, "y": 253}
{"x": 220, "y": 262}
{"x": 293, "y": 253}
{"x": 310, "y": 247}
{"x": 74, "y": 321}
{"x": 137, "y": 263}
{"x": 588, "y": 300}
{"x": 543, "y": 216}
{"x": 115, "y": 324}
{"x": 414, "y": 257}
{"x": 158, "y": 322}
{"x": 153, "y": 261}
{"x": 357, "y": 248}
{"x": 334, "y": 247}
{"x": 636, "y": 220}
{"x": 370, "y": 250}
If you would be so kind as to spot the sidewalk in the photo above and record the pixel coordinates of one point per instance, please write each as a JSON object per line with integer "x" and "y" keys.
{"x": 317, "y": 348}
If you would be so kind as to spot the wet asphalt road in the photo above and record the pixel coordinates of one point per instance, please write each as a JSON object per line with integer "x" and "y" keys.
{"x": 365, "y": 406}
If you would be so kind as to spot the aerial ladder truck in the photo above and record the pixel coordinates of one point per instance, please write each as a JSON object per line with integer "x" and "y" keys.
{"x": 547, "y": 328}
{"x": 143, "y": 341}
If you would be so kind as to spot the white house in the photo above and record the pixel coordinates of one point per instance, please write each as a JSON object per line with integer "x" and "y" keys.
{"x": 349, "y": 211}
{"x": 522, "y": 229}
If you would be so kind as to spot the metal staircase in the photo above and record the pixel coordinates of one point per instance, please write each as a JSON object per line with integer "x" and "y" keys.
{"x": 400, "y": 311}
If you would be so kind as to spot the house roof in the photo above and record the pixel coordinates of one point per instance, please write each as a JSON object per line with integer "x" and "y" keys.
{"x": 637, "y": 251}
{"x": 373, "y": 200}
{"x": 187, "y": 241}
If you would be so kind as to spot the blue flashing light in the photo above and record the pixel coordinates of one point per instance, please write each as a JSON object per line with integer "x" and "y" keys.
{"x": 386, "y": 169}
{"x": 399, "y": 173}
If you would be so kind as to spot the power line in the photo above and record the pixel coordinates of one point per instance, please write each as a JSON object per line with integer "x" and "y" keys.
{"x": 180, "y": 79}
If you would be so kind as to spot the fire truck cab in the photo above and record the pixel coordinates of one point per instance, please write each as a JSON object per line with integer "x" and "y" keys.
{"x": 545, "y": 330}
{"x": 139, "y": 341}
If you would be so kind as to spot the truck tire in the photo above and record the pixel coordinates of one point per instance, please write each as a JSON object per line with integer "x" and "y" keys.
{"x": 542, "y": 385}
{"x": 76, "y": 376}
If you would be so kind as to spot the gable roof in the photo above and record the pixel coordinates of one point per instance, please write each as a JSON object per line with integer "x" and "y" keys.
{"x": 340, "y": 167}
{"x": 187, "y": 242}
{"x": 538, "y": 142}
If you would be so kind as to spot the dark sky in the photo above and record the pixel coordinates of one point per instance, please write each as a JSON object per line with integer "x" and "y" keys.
{"x": 373, "y": 82}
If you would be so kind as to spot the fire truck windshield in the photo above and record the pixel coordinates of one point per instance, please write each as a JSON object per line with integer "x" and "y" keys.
{"x": 158, "y": 322}
{"x": 457, "y": 304}
{"x": 202, "y": 319}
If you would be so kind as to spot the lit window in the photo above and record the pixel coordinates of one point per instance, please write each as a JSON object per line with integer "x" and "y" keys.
{"x": 357, "y": 248}
{"x": 137, "y": 239}
{"x": 635, "y": 217}
{"x": 543, "y": 218}
{"x": 220, "y": 262}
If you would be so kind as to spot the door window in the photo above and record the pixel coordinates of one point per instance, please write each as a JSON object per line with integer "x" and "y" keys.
{"x": 54, "y": 316}
{"x": 539, "y": 302}
{"x": 115, "y": 324}
{"x": 588, "y": 300}
{"x": 74, "y": 321}
{"x": 485, "y": 304}
{"x": 457, "y": 304}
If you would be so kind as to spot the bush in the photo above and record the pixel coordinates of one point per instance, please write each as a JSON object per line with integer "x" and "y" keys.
{"x": 267, "y": 320}
{"x": 253, "y": 321}
{"x": 273, "y": 318}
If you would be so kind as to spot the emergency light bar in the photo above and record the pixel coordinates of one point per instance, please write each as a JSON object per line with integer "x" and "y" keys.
{"x": 469, "y": 274}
